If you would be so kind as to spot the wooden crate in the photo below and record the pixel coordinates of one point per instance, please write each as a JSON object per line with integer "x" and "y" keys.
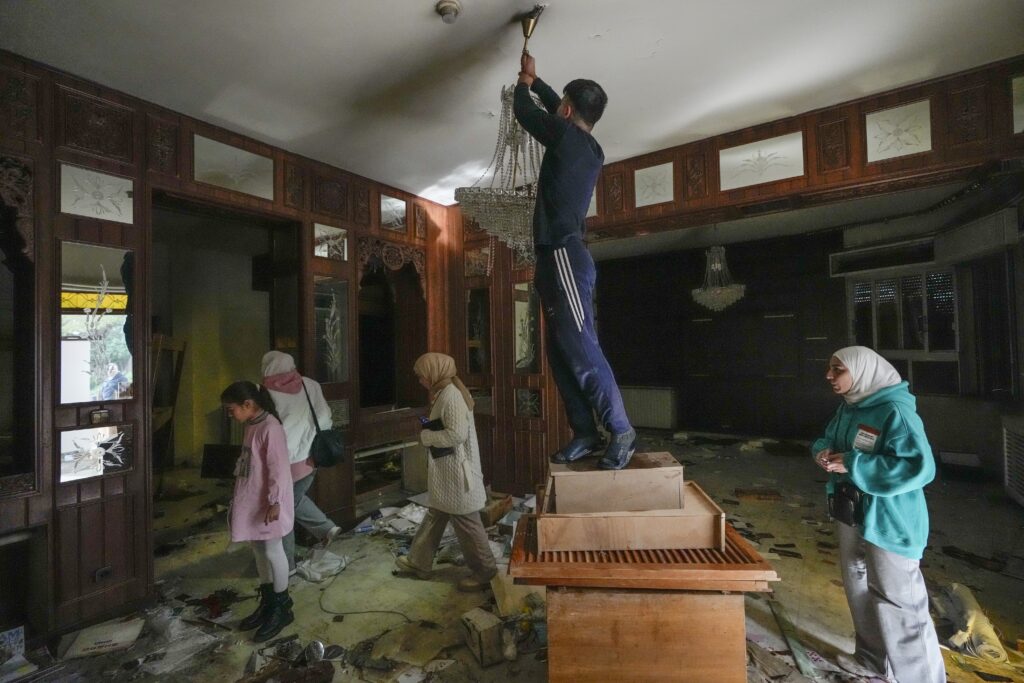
{"x": 651, "y": 481}
{"x": 698, "y": 524}
{"x": 645, "y": 635}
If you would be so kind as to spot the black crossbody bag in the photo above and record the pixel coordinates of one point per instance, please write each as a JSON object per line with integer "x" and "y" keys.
{"x": 845, "y": 504}
{"x": 328, "y": 447}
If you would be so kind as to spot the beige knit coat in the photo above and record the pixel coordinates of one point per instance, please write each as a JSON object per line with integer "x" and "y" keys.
{"x": 455, "y": 482}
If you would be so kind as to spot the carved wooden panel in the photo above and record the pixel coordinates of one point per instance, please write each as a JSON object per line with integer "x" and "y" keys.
{"x": 833, "y": 146}
{"x": 696, "y": 184}
{"x": 419, "y": 221}
{"x": 614, "y": 199}
{"x": 361, "y": 210}
{"x": 968, "y": 115}
{"x": 294, "y": 185}
{"x": 374, "y": 253}
{"x": 16, "y": 190}
{"x": 330, "y": 195}
{"x": 162, "y": 147}
{"x": 96, "y": 126}
{"x": 18, "y": 104}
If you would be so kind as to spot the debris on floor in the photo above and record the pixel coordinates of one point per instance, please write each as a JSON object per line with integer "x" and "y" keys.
{"x": 321, "y": 565}
{"x": 973, "y": 632}
{"x": 110, "y": 636}
{"x": 758, "y": 493}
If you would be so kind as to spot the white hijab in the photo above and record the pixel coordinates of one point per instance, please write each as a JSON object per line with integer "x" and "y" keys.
{"x": 870, "y": 372}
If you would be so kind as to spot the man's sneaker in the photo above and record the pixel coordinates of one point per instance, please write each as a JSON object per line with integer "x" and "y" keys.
{"x": 619, "y": 451}
{"x": 579, "y": 447}
{"x": 331, "y": 535}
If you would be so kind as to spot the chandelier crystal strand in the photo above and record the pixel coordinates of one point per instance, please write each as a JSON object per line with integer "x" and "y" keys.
{"x": 718, "y": 290}
{"x": 504, "y": 207}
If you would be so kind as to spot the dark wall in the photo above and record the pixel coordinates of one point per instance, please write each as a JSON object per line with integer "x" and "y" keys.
{"x": 755, "y": 368}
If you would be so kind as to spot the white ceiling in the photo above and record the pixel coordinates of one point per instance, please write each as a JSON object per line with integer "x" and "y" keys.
{"x": 383, "y": 88}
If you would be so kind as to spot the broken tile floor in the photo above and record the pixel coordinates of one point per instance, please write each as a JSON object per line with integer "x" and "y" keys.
{"x": 973, "y": 523}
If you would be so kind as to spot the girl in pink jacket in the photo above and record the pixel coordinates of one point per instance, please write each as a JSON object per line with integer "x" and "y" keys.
{"x": 262, "y": 510}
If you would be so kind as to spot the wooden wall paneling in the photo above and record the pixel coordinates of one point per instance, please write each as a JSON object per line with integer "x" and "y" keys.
{"x": 94, "y": 125}
{"x": 21, "y": 112}
{"x": 163, "y": 145}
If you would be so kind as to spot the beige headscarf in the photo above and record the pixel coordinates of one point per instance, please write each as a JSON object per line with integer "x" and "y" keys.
{"x": 870, "y": 372}
{"x": 439, "y": 370}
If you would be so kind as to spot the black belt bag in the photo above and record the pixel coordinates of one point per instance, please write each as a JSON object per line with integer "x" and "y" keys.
{"x": 844, "y": 505}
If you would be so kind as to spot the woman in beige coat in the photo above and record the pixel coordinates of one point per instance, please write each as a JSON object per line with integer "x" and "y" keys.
{"x": 455, "y": 481}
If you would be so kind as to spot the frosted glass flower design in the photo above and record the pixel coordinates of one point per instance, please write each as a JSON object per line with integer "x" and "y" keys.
{"x": 95, "y": 195}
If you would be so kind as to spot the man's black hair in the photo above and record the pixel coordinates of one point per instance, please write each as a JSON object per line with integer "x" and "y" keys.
{"x": 588, "y": 98}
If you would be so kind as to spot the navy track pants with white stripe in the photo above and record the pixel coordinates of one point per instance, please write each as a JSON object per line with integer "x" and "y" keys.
{"x": 565, "y": 277}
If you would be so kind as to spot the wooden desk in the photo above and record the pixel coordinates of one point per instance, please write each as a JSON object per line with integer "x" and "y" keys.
{"x": 644, "y": 615}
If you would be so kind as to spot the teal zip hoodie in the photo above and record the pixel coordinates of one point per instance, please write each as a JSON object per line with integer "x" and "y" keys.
{"x": 887, "y": 456}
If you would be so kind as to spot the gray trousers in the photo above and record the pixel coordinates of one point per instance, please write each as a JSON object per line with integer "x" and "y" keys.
{"x": 308, "y": 515}
{"x": 889, "y": 604}
{"x": 472, "y": 539}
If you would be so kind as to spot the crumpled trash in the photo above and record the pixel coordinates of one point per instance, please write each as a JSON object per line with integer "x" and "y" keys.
{"x": 975, "y": 634}
{"x": 414, "y": 513}
{"x": 322, "y": 564}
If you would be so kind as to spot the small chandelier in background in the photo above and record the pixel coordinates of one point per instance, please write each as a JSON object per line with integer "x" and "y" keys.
{"x": 504, "y": 207}
{"x": 718, "y": 290}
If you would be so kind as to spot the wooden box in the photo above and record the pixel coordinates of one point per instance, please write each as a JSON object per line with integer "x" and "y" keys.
{"x": 651, "y": 481}
{"x": 481, "y": 631}
{"x": 698, "y": 524}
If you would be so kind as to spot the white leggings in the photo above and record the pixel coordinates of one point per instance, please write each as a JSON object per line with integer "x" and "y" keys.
{"x": 271, "y": 563}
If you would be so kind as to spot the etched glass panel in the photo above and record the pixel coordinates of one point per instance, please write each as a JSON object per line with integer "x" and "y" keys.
{"x": 95, "y": 451}
{"x": 899, "y": 131}
{"x": 330, "y": 242}
{"x": 526, "y": 319}
{"x": 478, "y": 327}
{"x": 330, "y": 305}
{"x": 482, "y": 398}
{"x": 764, "y": 161}
{"x": 232, "y": 168}
{"x": 392, "y": 213}
{"x": 652, "y": 185}
{"x": 528, "y": 403}
{"x": 84, "y": 192}
{"x": 95, "y": 323}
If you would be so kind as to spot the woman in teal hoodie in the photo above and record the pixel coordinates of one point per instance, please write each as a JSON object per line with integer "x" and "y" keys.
{"x": 878, "y": 455}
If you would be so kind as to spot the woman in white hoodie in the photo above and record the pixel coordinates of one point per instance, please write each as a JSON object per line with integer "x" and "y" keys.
{"x": 293, "y": 396}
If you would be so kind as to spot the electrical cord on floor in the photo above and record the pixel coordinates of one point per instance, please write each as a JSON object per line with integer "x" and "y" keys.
{"x": 368, "y": 611}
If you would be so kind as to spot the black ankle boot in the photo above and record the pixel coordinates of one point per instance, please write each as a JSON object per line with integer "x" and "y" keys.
{"x": 264, "y": 594}
{"x": 279, "y": 616}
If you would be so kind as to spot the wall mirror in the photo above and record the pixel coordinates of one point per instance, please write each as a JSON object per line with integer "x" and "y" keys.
{"x": 94, "y": 451}
{"x": 478, "y": 330}
{"x": 330, "y": 242}
{"x": 330, "y": 305}
{"x": 95, "y": 324}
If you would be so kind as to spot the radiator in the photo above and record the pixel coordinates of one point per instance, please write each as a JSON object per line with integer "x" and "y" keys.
{"x": 1013, "y": 456}
{"x": 650, "y": 406}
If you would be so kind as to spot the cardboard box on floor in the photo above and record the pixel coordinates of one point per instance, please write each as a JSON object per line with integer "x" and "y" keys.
{"x": 482, "y": 632}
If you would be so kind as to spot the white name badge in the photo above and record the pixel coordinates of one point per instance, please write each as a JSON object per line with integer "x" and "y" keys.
{"x": 866, "y": 438}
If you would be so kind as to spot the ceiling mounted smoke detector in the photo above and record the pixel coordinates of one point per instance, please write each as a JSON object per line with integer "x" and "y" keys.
{"x": 449, "y": 10}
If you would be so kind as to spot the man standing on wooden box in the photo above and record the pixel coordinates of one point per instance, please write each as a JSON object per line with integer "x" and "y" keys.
{"x": 564, "y": 274}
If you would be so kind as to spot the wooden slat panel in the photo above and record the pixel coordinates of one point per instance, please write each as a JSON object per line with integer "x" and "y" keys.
{"x": 92, "y": 549}
{"x": 707, "y": 569}
{"x": 67, "y": 554}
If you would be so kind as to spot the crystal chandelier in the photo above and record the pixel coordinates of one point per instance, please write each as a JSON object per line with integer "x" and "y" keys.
{"x": 504, "y": 207}
{"x": 718, "y": 290}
